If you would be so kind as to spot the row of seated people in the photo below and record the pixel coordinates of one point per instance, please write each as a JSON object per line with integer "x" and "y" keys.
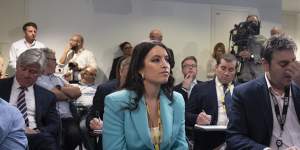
{"x": 150, "y": 69}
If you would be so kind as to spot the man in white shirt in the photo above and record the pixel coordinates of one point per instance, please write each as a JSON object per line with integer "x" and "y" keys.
{"x": 18, "y": 47}
{"x": 265, "y": 112}
{"x": 76, "y": 58}
{"x": 209, "y": 103}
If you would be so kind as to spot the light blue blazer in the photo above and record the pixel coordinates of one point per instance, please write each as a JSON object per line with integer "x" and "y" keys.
{"x": 129, "y": 130}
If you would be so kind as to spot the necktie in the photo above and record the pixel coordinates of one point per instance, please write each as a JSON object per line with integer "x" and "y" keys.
{"x": 21, "y": 105}
{"x": 227, "y": 94}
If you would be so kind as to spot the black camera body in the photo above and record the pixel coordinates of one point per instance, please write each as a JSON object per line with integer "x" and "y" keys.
{"x": 73, "y": 66}
{"x": 241, "y": 33}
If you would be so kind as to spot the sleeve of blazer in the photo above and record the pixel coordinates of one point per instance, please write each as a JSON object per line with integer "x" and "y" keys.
{"x": 180, "y": 141}
{"x": 51, "y": 118}
{"x": 97, "y": 108}
{"x": 112, "y": 74}
{"x": 237, "y": 128}
{"x": 113, "y": 127}
{"x": 193, "y": 107}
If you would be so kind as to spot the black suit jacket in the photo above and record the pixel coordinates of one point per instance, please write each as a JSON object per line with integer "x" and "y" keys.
{"x": 97, "y": 109}
{"x": 178, "y": 88}
{"x": 46, "y": 116}
{"x": 113, "y": 71}
{"x": 204, "y": 98}
{"x": 251, "y": 119}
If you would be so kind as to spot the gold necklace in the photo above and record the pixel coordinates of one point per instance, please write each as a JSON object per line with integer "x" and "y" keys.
{"x": 155, "y": 131}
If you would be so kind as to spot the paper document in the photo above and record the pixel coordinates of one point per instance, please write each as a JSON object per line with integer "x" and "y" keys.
{"x": 210, "y": 127}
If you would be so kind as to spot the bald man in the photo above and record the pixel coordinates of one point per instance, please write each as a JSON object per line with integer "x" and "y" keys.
{"x": 75, "y": 57}
{"x": 275, "y": 30}
{"x": 155, "y": 35}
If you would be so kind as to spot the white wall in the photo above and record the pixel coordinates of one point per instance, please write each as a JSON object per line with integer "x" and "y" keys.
{"x": 186, "y": 24}
{"x": 291, "y": 26}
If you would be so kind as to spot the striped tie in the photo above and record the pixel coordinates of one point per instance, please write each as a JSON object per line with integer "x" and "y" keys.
{"x": 21, "y": 104}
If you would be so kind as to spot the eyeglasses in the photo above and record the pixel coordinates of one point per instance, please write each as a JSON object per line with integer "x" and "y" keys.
{"x": 189, "y": 66}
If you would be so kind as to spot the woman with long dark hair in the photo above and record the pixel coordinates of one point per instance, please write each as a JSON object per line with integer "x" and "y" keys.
{"x": 147, "y": 114}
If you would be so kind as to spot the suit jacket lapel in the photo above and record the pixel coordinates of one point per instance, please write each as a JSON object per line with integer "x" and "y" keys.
{"x": 296, "y": 100}
{"x": 265, "y": 103}
{"x": 139, "y": 117}
{"x": 212, "y": 96}
{"x": 38, "y": 104}
{"x": 6, "y": 88}
{"x": 166, "y": 116}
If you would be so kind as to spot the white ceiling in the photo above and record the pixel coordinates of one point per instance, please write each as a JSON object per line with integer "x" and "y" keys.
{"x": 291, "y": 5}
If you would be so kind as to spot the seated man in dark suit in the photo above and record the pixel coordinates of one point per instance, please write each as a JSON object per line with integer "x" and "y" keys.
{"x": 208, "y": 104}
{"x": 35, "y": 103}
{"x": 95, "y": 116}
{"x": 265, "y": 112}
{"x": 189, "y": 71}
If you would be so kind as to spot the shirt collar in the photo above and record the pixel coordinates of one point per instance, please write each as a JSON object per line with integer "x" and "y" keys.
{"x": 219, "y": 84}
{"x": 31, "y": 44}
{"x": 16, "y": 85}
{"x": 271, "y": 88}
{"x": 195, "y": 81}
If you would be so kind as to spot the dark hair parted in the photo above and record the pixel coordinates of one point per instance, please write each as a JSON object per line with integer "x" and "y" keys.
{"x": 278, "y": 42}
{"x": 217, "y": 46}
{"x": 188, "y": 58}
{"x": 123, "y": 44}
{"x": 227, "y": 57}
{"x": 134, "y": 81}
{"x": 29, "y": 24}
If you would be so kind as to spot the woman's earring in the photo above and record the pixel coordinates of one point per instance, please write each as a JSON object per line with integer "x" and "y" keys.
{"x": 143, "y": 77}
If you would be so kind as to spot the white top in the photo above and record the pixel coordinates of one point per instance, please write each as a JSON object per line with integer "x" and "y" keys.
{"x": 222, "y": 116}
{"x": 291, "y": 133}
{"x": 83, "y": 58}
{"x": 30, "y": 101}
{"x": 210, "y": 68}
{"x": 87, "y": 94}
{"x": 18, "y": 47}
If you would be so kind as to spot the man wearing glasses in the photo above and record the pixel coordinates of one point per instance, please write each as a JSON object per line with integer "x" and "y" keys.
{"x": 189, "y": 71}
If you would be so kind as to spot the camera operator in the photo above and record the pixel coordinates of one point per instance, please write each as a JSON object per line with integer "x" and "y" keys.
{"x": 76, "y": 58}
{"x": 250, "y": 44}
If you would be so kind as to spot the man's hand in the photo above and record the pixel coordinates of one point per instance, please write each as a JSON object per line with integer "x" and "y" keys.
{"x": 188, "y": 79}
{"x": 294, "y": 71}
{"x": 96, "y": 124}
{"x": 67, "y": 48}
{"x": 203, "y": 119}
{"x": 31, "y": 131}
{"x": 245, "y": 54}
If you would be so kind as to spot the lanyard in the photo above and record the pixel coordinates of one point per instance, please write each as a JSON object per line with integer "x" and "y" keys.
{"x": 281, "y": 118}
